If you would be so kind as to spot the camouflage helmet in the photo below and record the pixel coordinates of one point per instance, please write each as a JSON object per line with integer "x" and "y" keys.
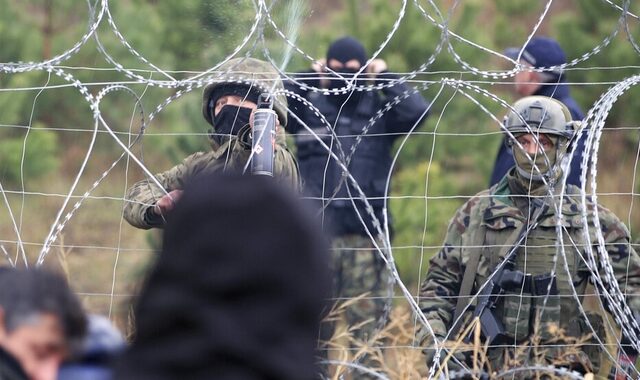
{"x": 253, "y": 72}
{"x": 540, "y": 114}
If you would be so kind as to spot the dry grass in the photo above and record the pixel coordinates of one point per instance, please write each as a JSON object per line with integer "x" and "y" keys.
{"x": 394, "y": 353}
{"x": 391, "y": 351}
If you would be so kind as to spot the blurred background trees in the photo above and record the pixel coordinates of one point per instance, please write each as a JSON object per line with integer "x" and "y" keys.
{"x": 448, "y": 158}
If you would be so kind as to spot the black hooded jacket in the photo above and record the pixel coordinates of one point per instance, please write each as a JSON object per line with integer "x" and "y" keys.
{"x": 371, "y": 158}
{"x": 237, "y": 290}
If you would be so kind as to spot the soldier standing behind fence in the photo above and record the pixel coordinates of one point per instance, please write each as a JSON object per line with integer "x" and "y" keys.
{"x": 537, "y": 319}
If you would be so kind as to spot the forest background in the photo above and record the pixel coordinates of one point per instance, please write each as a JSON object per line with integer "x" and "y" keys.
{"x": 46, "y": 125}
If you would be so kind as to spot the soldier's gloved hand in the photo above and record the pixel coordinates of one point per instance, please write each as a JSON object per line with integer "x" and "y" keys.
{"x": 244, "y": 136}
{"x": 167, "y": 202}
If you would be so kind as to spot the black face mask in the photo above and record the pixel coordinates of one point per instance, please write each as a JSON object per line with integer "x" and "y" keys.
{"x": 229, "y": 121}
{"x": 335, "y": 82}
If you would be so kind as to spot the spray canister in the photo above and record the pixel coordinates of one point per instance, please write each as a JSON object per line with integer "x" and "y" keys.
{"x": 264, "y": 136}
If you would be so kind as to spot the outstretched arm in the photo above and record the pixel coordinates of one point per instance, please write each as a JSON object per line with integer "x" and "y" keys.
{"x": 141, "y": 209}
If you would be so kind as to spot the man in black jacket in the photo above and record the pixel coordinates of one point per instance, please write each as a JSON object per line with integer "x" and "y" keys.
{"x": 539, "y": 53}
{"x": 361, "y": 133}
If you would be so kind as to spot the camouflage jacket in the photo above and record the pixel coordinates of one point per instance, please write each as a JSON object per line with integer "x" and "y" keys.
{"x": 232, "y": 155}
{"x": 483, "y": 225}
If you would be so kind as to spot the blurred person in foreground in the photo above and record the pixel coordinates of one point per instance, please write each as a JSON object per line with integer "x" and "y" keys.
{"x": 41, "y": 324}
{"x": 541, "y": 53}
{"x": 237, "y": 290}
{"x": 358, "y": 267}
{"x": 101, "y": 346}
{"x": 503, "y": 245}
{"x": 228, "y": 105}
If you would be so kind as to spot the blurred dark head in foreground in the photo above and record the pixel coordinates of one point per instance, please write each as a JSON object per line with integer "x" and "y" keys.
{"x": 41, "y": 323}
{"x": 238, "y": 289}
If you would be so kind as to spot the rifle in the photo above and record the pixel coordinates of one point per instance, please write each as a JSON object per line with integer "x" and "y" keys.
{"x": 505, "y": 278}
{"x": 492, "y": 328}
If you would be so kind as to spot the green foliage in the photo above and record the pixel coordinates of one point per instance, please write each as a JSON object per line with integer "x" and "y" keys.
{"x": 28, "y": 157}
{"x": 579, "y": 36}
{"x": 192, "y": 129}
{"x": 419, "y": 219}
{"x": 194, "y": 35}
{"x": 511, "y": 8}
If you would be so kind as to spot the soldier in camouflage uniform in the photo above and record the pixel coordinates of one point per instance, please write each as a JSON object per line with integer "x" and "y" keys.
{"x": 227, "y": 105}
{"x": 540, "y": 322}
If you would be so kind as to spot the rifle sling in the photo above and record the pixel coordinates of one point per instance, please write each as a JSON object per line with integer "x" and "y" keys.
{"x": 465, "y": 290}
{"x": 469, "y": 275}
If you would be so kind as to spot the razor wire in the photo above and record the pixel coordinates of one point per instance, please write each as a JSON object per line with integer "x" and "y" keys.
{"x": 100, "y": 14}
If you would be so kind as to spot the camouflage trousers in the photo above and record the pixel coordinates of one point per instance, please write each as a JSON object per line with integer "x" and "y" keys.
{"x": 358, "y": 272}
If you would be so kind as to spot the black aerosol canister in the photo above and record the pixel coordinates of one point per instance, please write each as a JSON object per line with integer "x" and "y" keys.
{"x": 264, "y": 136}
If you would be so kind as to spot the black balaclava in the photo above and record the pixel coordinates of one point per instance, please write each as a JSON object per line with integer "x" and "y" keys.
{"x": 237, "y": 290}
{"x": 231, "y": 118}
{"x": 344, "y": 50}
{"x": 229, "y": 121}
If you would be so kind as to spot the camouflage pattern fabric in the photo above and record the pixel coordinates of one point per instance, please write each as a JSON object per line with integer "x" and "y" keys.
{"x": 540, "y": 329}
{"x": 358, "y": 271}
{"x": 232, "y": 155}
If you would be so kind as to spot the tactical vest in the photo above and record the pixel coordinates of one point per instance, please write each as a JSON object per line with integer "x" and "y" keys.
{"x": 534, "y": 314}
{"x": 370, "y": 164}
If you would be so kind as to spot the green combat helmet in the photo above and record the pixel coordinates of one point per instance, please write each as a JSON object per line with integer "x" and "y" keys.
{"x": 541, "y": 115}
{"x": 252, "y": 72}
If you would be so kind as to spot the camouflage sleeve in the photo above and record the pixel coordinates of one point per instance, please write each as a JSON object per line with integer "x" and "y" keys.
{"x": 623, "y": 257}
{"x": 233, "y": 155}
{"x": 144, "y": 194}
{"x": 439, "y": 291}
{"x": 286, "y": 168}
